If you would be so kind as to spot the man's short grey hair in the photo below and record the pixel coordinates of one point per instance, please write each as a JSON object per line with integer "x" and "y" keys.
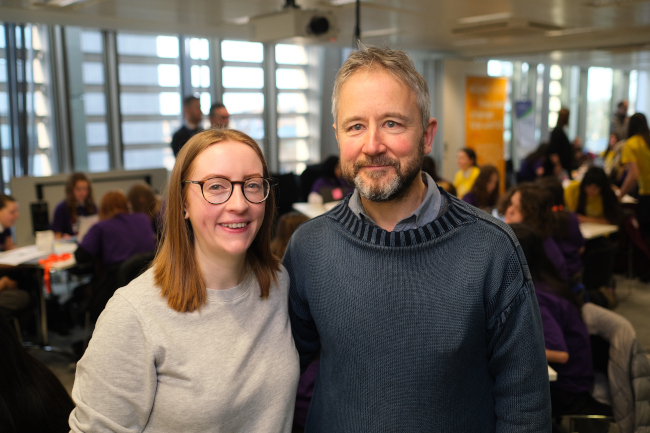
{"x": 396, "y": 62}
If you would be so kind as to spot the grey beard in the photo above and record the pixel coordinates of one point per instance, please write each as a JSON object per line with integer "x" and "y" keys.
{"x": 396, "y": 187}
{"x": 379, "y": 194}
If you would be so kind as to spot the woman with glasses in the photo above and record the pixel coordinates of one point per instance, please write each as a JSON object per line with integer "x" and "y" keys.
{"x": 201, "y": 341}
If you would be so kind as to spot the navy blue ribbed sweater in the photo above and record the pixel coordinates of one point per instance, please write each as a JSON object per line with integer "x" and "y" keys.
{"x": 435, "y": 329}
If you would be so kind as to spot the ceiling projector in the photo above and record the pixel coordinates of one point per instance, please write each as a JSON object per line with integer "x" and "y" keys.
{"x": 294, "y": 25}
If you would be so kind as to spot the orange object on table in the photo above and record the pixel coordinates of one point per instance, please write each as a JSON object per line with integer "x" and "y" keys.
{"x": 47, "y": 263}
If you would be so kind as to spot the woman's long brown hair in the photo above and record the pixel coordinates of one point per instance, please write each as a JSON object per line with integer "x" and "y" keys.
{"x": 71, "y": 201}
{"x": 175, "y": 268}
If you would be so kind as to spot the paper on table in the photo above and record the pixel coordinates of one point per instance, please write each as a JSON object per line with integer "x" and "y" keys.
{"x": 65, "y": 247}
{"x": 21, "y": 255}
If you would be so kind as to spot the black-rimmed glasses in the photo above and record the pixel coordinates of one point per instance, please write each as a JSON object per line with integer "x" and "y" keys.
{"x": 217, "y": 190}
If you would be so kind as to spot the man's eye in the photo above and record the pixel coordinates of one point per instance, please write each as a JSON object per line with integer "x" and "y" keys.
{"x": 356, "y": 127}
{"x": 391, "y": 124}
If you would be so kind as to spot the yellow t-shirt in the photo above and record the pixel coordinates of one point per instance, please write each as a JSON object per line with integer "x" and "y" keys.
{"x": 636, "y": 150}
{"x": 593, "y": 206}
{"x": 464, "y": 184}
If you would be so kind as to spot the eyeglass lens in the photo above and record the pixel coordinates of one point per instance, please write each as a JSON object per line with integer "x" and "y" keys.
{"x": 218, "y": 190}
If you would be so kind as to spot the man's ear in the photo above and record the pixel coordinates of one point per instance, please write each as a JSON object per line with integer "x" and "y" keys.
{"x": 429, "y": 133}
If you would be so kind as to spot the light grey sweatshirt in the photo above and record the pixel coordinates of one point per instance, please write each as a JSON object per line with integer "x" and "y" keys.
{"x": 230, "y": 367}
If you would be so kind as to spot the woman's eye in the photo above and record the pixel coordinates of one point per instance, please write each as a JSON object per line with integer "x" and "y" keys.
{"x": 215, "y": 187}
{"x": 253, "y": 186}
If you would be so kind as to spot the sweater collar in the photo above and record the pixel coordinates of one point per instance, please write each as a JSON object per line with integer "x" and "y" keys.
{"x": 428, "y": 210}
{"x": 454, "y": 214}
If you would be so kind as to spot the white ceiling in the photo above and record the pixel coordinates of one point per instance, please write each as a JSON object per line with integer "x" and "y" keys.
{"x": 613, "y": 33}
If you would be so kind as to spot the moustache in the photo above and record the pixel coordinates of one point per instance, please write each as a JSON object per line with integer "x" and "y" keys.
{"x": 381, "y": 160}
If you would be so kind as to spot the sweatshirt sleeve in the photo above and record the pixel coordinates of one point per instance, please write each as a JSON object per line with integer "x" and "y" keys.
{"x": 517, "y": 359}
{"x": 92, "y": 242}
{"x": 303, "y": 327}
{"x": 59, "y": 219}
{"x": 116, "y": 379}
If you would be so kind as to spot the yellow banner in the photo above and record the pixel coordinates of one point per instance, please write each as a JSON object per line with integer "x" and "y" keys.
{"x": 485, "y": 99}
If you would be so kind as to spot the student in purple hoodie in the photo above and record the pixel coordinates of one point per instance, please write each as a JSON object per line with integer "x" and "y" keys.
{"x": 566, "y": 229}
{"x": 568, "y": 347}
{"x": 117, "y": 236}
{"x": 531, "y": 204}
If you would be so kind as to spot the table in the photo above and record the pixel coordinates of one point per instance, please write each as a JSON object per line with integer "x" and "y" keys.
{"x": 27, "y": 258}
{"x": 313, "y": 210}
{"x": 595, "y": 230}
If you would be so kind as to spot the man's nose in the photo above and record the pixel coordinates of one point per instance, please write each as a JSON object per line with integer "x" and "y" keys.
{"x": 374, "y": 142}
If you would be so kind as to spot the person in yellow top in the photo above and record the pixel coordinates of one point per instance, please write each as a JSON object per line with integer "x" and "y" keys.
{"x": 593, "y": 199}
{"x": 636, "y": 157}
{"x": 467, "y": 173}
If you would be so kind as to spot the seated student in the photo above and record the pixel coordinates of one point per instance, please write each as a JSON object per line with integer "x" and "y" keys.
{"x": 142, "y": 199}
{"x": 429, "y": 167}
{"x": 78, "y": 202}
{"x": 117, "y": 236}
{"x": 485, "y": 192}
{"x": 331, "y": 182}
{"x": 31, "y": 397}
{"x": 612, "y": 159}
{"x": 593, "y": 198}
{"x": 532, "y": 166}
{"x": 8, "y": 216}
{"x": 531, "y": 204}
{"x": 566, "y": 231}
{"x": 12, "y": 299}
{"x": 568, "y": 347}
{"x": 467, "y": 171}
{"x": 287, "y": 224}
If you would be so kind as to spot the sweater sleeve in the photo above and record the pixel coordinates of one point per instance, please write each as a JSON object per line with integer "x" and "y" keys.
{"x": 116, "y": 379}
{"x": 303, "y": 327}
{"x": 517, "y": 359}
{"x": 60, "y": 219}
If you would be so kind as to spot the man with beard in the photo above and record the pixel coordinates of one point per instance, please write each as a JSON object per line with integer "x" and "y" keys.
{"x": 421, "y": 307}
{"x": 192, "y": 117}
{"x": 620, "y": 120}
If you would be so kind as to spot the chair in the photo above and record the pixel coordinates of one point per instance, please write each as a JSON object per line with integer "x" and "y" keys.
{"x": 307, "y": 179}
{"x": 627, "y": 388}
{"x": 40, "y": 216}
{"x": 18, "y": 330}
{"x": 132, "y": 267}
{"x": 126, "y": 271}
{"x": 287, "y": 192}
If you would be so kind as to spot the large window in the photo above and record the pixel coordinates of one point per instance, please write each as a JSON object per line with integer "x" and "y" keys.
{"x": 599, "y": 95}
{"x": 243, "y": 84}
{"x": 150, "y": 100}
{"x": 298, "y": 113}
{"x": 41, "y": 138}
{"x": 26, "y": 124}
{"x": 4, "y": 108}
{"x": 94, "y": 101}
{"x": 200, "y": 72}
{"x": 555, "y": 93}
